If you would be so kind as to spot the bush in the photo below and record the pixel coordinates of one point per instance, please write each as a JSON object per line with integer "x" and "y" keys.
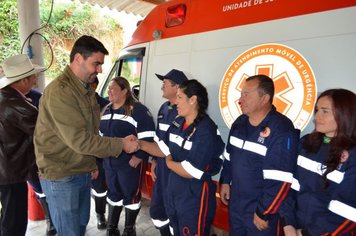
{"x": 67, "y": 23}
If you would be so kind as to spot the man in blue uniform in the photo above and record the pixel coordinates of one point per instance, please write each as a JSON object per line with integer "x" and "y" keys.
{"x": 261, "y": 155}
{"x": 167, "y": 113}
{"x": 98, "y": 185}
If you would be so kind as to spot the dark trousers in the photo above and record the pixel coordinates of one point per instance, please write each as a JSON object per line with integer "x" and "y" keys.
{"x": 13, "y": 220}
{"x": 99, "y": 184}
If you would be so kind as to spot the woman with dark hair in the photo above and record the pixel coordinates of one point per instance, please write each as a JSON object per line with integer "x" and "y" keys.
{"x": 326, "y": 171}
{"x": 124, "y": 174}
{"x": 192, "y": 149}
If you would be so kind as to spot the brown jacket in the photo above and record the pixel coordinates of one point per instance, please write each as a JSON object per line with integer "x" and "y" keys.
{"x": 66, "y": 135}
{"x": 17, "y": 123}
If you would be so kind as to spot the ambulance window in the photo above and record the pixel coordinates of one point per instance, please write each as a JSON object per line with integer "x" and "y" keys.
{"x": 128, "y": 65}
{"x": 104, "y": 91}
{"x": 131, "y": 70}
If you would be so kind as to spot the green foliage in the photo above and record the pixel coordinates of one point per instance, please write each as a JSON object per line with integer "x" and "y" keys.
{"x": 68, "y": 22}
{"x": 9, "y": 35}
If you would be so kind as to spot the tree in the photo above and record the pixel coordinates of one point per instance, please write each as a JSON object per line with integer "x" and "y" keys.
{"x": 9, "y": 35}
{"x": 68, "y": 22}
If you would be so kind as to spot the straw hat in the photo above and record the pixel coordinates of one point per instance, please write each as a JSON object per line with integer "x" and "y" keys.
{"x": 16, "y": 68}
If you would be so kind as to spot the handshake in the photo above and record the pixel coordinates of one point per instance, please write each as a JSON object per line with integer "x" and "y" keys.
{"x": 130, "y": 144}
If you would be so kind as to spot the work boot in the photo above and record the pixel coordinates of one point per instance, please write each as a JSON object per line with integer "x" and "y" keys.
{"x": 100, "y": 205}
{"x": 130, "y": 221}
{"x": 50, "y": 229}
{"x": 113, "y": 220}
{"x": 164, "y": 230}
{"x": 100, "y": 221}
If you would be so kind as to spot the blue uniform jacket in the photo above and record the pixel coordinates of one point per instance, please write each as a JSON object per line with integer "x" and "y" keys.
{"x": 198, "y": 148}
{"x": 259, "y": 164}
{"x": 320, "y": 210}
{"x": 166, "y": 115}
{"x": 115, "y": 124}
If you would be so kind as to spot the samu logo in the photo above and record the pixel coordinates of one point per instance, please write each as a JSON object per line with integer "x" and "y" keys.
{"x": 295, "y": 86}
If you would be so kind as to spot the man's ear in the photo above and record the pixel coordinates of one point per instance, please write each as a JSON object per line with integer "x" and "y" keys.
{"x": 266, "y": 98}
{"x": 78, "y": 57}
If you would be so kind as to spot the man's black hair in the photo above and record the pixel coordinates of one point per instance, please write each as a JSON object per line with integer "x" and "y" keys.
{"x": 87, "y": 45}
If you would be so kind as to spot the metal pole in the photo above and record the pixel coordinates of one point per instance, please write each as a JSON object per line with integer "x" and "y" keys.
{"x": 29, "y": 20}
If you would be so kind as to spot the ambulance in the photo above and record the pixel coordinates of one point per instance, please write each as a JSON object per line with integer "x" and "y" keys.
{"x": 305, "y": 46}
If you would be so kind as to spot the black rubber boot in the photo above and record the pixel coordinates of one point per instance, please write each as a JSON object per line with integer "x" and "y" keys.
{"x": 130, "y": 222}
{"x": 113, "y": 220}
{"x": 165, "y": 230}
{"x": 100, "y": 205}
{"x": 50, "y": 229}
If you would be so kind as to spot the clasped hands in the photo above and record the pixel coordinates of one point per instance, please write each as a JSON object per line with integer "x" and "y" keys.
{"x": 130, "y": 144}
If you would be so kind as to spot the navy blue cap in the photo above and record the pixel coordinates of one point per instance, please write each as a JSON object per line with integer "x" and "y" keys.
{"x": 176, "y": 76}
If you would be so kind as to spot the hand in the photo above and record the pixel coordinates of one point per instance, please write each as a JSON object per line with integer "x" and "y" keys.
{"x": 153, "y": 168}
{"x": 225, "y": 193}
{"x": 299, "y": 232}
{"x": 94, "y": 174}
{"x": 130, "y": 144}
{"x": 259, "y": 223}
{"x": 289, "y": 230}
{"x": 134, "y": 161}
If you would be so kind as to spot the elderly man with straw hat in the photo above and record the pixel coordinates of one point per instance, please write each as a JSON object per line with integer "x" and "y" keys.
{"x": 17, "y": 158}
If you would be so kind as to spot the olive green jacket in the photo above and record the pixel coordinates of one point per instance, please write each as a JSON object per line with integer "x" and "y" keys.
{"x": 66, "y": 135}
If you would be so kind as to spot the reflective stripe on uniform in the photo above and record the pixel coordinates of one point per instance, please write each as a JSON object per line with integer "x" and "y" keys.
{"x": 163, "y": 127}
{"x": 179, "y": 141}
{"x": 249, "y": 146}
{"x": 164, "y": 148}
{"x": 196, "y": 173}
{"x": 96, "y": 194}
{"x": 278, "y": 175}
{"x": 133, "y": 207}
{"x": 255, "y": 147}
{"x": 160, "y": 223}
{"x": 343, "y": 210}
{"x": 318, "y": 168}
{"x": 295, "y": 185}
{"x": 112, "y": 203}
{"x": 126, "y": 118}
{"x": 146, "y": 134}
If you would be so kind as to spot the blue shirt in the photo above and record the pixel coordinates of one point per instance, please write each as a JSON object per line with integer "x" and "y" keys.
{"x": 259, "y": 163}
{"x": 321, "y": 209}
{"x": 140, "y": 123}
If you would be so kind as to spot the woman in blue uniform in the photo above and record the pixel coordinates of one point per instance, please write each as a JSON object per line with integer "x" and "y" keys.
{"x": 193, "y": 149}
{"x": 124, "y": 174}
{"x": 326, "y": 171}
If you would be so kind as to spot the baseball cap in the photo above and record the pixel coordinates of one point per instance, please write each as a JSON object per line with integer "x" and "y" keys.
{"x": 174, "y": 75}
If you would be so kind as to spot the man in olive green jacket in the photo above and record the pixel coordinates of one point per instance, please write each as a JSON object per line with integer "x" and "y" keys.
{"x": 67, "y": 140}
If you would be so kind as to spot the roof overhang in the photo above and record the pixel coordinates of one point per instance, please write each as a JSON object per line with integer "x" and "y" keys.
{"x": 136, "y": 7}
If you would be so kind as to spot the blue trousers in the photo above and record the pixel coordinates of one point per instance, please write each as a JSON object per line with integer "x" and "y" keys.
{"x": 159, "y": 196}
{"x": 69, "y": 203}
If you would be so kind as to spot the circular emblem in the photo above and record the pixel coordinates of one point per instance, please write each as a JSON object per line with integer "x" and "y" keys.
{"x": 265, "y": 132}
{"x": 294, "y": 81}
